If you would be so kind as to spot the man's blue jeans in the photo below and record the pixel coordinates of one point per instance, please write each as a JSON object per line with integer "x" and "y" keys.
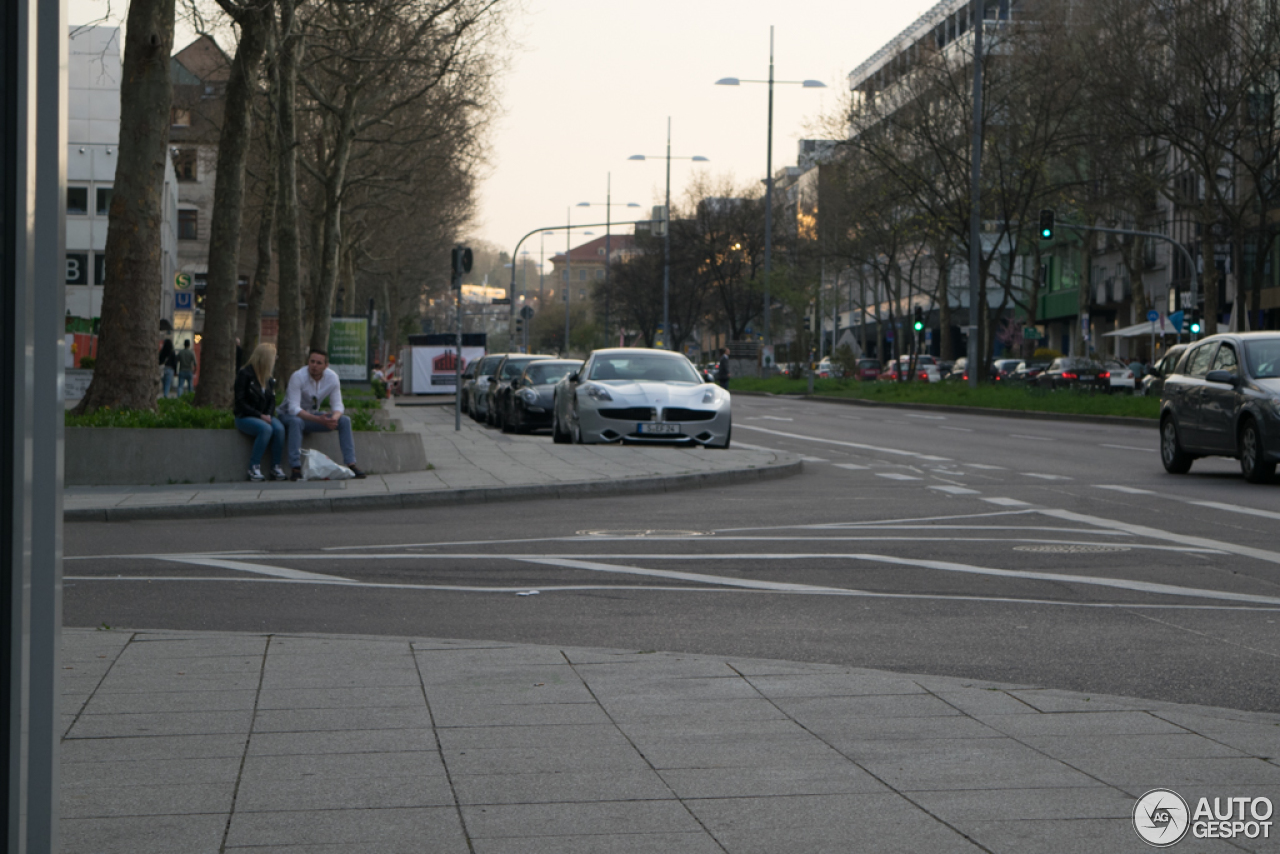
{"x": 184, "y": 378}
{"x": 296, "y": 426}
{"x": 263, "y": 434}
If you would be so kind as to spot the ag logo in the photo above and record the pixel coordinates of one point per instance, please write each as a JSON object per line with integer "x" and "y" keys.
{"x": 1161, "y": 818}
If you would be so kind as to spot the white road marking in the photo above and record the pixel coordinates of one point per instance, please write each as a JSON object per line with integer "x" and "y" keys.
{"x": 809, "y": 459}
{"x": 1167, "y": 536}
{"x": 1131, "y": 448}
{"x": 894, "y": 451}
{"x": 256, "y": 568}
{"x": 955, "y": 429}
{"x": 984, "y": 467}
{"x": 1128, "y": 490}
{"x": 929, "y": 417}
{"x": 1036, "y": 438}
{"x": 1045, "y": 476}
{"x": 851, "y": 467}
{"x": 955, "y": 490}
{"x": 775, "y": 418}
{"x": 749, "y": 584}
{"x": 645, "y": 588}
{"x": 893, "y": 475}
{"x": 1236, "y": 508}
{"x": 1006, "y": 502}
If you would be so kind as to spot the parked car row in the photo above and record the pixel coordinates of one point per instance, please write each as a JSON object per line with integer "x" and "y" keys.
{"x": 628, "y": 395}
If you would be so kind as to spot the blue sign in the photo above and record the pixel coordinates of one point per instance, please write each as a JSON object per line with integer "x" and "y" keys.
{"x": 1153, "y": 315}
{"x": 1175, "y": 320}
{"x": 182, "y": 301}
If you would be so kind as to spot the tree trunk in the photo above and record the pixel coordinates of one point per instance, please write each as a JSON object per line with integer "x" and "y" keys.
{"x": 127, "y": 375}
{"x": 289, "y": 355}
{"x": 262, "y": 272}
{"x": 218, "y": 347}
{"x": 326, "y": 283}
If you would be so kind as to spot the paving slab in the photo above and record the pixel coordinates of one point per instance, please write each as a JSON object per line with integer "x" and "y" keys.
{"x": 659, "y": 752}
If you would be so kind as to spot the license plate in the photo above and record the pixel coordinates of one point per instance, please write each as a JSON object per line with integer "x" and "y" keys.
{"x": 1086, "y": 376}
{"x": 665, "y": 429}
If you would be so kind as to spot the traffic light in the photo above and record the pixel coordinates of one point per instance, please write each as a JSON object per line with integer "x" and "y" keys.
{"x": 519, "y": 324}
{"x": 461, "y": 260}
{"x": 1194, "y": 324}
{"x": 919, "y": 324}
{"x": 808, "y": 324}
{"x": 1046, "y": 224}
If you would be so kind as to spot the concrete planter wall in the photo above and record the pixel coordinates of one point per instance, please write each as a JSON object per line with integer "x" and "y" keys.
{"x": 120, "y": 456}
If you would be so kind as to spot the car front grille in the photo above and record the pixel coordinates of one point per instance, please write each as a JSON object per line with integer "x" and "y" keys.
{"x": 630, "y": 413}
{"x": 677, "y": 414}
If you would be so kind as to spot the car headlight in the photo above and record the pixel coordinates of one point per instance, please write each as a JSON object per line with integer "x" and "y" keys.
{"x": 711, "y": 395}
{"x": 528, "y": 395}
{"x": 598, "y": 392}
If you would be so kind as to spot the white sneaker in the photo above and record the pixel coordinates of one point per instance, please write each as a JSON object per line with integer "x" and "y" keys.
{"x": 255, "y": 473}
{"x": 278, "y": 473}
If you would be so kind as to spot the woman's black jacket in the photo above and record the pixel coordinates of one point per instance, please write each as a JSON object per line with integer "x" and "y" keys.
{"x": 252, "y": 400}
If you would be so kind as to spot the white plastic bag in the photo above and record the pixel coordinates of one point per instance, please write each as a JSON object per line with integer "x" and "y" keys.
{"x": 317, "y": 466}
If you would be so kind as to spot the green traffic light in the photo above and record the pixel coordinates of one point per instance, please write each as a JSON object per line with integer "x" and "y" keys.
{"x": 1195, "y": 328}
{"x": 1045, "y": 233}
{"x": 919, "y": 326}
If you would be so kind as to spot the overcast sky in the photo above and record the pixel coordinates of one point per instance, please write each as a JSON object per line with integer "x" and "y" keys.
{"x": 593, "y": 82}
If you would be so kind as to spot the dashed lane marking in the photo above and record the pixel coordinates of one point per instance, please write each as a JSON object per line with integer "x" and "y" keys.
{"x": 876, "y": 448}
{"x": 851, "y": 466}
{"x": 1036, "y": 438}
{"x": 955, "y": 429}
{"x": 955, "y": 490}
{"x": 893, "y": 475}
{"x": 1006, "y": 502}
{"x": 1131, "y": 448}
{"x": 1045, "y": 476}
{"x": 1128, "y": 490}
{"x": 929, "y": 417}
{"x": 984, "y": 467}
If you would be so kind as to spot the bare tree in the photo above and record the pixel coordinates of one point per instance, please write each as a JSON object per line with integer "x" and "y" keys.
{"x": 126, "y": 376}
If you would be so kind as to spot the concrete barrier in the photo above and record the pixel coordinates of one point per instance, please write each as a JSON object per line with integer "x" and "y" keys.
{"x": 122, "y": 456}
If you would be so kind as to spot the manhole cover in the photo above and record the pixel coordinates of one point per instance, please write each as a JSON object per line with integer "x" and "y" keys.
{"x": 1067, "y": 549}
{"x": 637, "y": 533}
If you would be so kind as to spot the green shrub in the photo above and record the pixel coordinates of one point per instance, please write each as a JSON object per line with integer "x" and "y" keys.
{"x": 87, "y": 362}
{"x": 178, "y": 413}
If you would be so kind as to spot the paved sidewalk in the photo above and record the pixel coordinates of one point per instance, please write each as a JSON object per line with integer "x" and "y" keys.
{"x": 471, "y": 465}
{"x": 207, "y": 742}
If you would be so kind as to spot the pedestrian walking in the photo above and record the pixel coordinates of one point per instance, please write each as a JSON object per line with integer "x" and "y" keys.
{"x": 186, "y": 367}
{"x": 307, "y": 389}
{"x": 168, "y": 366}
{"x": 255, "y": 410}
{"x": 722, "y": 370}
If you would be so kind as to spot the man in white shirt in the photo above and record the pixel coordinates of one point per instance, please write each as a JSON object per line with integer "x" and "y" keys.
{"x": 301, "y": 411}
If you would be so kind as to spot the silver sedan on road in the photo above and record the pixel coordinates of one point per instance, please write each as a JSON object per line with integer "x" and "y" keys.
{"x": 640, "y": 396}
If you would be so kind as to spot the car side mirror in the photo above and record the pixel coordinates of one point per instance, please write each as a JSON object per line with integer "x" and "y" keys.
{"x": 1225, "y": 377}
{"x": 573, "y": 377}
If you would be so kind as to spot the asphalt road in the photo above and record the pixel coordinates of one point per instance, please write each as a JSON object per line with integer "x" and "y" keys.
{"x": 1035, "y": 552}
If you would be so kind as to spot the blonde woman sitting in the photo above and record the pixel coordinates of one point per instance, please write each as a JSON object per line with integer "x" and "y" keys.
{"x": 255, "y": 411}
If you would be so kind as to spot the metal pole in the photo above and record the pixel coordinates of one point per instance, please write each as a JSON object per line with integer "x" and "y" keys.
{"x": 768, "y": 205}
{"x": 457, "y": 362}
{"x": 975, "y": 201}
{"x": 568, "y": 275}
{"x": 608, "y": 246}
{"x": 666, "y": 254}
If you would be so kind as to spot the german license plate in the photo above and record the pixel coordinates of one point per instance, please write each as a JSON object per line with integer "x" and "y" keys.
{"x": 664, "y": 429}
{"x": 1086, "y": 376}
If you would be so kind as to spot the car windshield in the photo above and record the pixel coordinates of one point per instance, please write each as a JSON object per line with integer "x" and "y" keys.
{"x": 513, "y": 368}
{"x": 1263, "y": 357}
{"x": 653, "y": 368}
{"x": 547, "y": 374}
{"x": 487, "y": 366}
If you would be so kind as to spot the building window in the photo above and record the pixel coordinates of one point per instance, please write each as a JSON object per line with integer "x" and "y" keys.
{"x": 188, "y": 225}
{"x": 565, "y": 275}
{"x": 599, "y": 251}
{"x": 185, "y": 164}
{"x": 104, "y": 200}
{"x": 77, "y": 200}
{"x": 180, "y": 118}
{"x": 582, "y": 275}
{"x": 599, "y": 274}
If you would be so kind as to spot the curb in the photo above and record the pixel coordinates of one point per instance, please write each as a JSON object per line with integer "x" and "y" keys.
{"x": 437, "y": 498}
{"x": 1031, "y": 415}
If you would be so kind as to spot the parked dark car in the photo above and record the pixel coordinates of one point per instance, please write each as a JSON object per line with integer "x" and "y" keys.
{"x": 1075, "y": 372}
{"x": 499, "y": 390}
{"x": 475, "y": 391}
{"x": 1223, "y": 399}
{"x": 1027, "y": 371}
{"x": 1153, "y": 382}
{"x": 1002, "y": 369}
{"x": 532, "y": 401}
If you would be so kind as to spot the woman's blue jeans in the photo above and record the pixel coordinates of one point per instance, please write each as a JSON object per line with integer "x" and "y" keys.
{"x": 167, "y": 382}
{"x": 263, "y": 434}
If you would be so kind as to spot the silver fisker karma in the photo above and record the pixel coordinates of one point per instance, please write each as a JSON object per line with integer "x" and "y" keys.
{"x": 640, "y": 396}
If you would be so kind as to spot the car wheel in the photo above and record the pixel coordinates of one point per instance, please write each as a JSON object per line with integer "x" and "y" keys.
{"x": 1175, "y": 459}
{"x": 1252, "y": 462}
{"x": 559, "y": 436}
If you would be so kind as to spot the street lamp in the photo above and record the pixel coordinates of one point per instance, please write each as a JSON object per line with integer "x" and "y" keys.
{"x": 768, "y": 181}
{"x": 666, "y": 237}
{"x": 568, "y": 270}
{"x": 608, "y": 206}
